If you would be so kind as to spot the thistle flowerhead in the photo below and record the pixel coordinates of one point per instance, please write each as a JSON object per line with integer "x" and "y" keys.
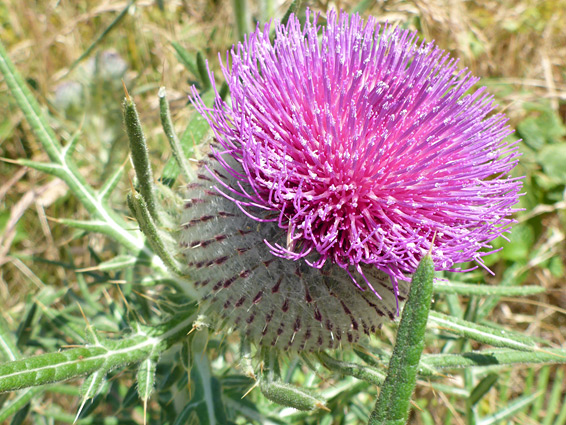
{"x": 342, "y": 153}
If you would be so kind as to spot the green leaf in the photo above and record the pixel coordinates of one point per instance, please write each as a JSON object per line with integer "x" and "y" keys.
{"x": 29, "y": 107}
{"x": 53, "y": 367}
{"x": 546, "y": 127}
{"x": 459, "y": 288}
{"x": 202, "y": 385}
{"x": 520, "y": 244}
{"x": 174, "y": 142}
{"x": 118, "y": 228}
{"x": 203, "y": 72}
{"x": 159, "y": 241}
{"x": 110, "y": 184}
{"x": 146, "y": 378}
{"x": 481, "y": 333}
{"x": 482, "y": 388}
{"x": 119, "y": 262}
{"x": 21, "y": 415}
{"x": 22, "y": 398}
{"x": 60, "y": 366}
{"x": 392, "y": 406}
{"x": 185, "y": 58}
{"x": 290, "y": 395}
{"x": 8, "y": 346}
{"x": 193, "y": 135}
{"x": 510, "y": 410}
{"x": 293, "y": 9}
{"x": 365, "y": 373}
{"x": 140, "y": 156}
{"x": 101, "y": 37}
{"x": 552, "y": 158}
{"x": 242, "y": 16}
{"x": 543, "y": 377}
{"x": 500, "y": 357}
{"x": 554, "y": 399}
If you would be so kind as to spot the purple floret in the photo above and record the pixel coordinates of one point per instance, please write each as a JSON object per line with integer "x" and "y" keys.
{"x": 363, "y": 144}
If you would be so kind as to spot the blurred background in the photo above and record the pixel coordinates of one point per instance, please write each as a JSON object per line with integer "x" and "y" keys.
{"x": 75, "y": 54}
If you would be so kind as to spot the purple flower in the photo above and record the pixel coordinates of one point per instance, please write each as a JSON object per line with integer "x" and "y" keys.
{"x": 353, "y": 146}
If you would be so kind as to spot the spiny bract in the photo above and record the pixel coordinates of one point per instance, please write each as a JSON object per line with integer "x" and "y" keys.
{"x": 343, "y": 151}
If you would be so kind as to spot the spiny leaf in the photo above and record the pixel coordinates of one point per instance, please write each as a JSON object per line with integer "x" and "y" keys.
{"x": 146, "y": 378}
{"x": 60, "y": 366}
{"x": 203, "y": 72}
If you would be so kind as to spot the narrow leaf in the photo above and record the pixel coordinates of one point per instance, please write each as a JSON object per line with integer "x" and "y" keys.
{"x": 481, "y": 333}
{"x": 482, "y": 388}
{"x": 119, "y": 262}
{"x": 29, "y": 107}
{"x": 45, "y": 167}
{"x": 365, "y": 373}
{"x": 193, "y": 135}
{"x": 203, "y": 72}
{"x": 185, "y": 58}
{"x": 16, "y": 403}
{"x": 7, "y": 342}
{"x": 242, "y": 16}
{"x": 60, "y": 366}
{"x": 293, "y": 9}
{"x": 201, "y": 384}
{"x": 140, "y": 156}
{"x": 554, "y": 399}
{"x": 392, "y": 406}
{"x": 510, "y": 410}
{"x": 146, "y": 378}
{"x": 94, "y": 226}
{"x": 150, "y": 230}
{"x": 101, "y": 37}
{"x": 169, "y": 130}
{"x": 443, "y": 287}
{"x": 49, "y": 368}
{"x": 503, "y": 357}
{"x": 109, "y": 185}
{"x": 290, "y": 395}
